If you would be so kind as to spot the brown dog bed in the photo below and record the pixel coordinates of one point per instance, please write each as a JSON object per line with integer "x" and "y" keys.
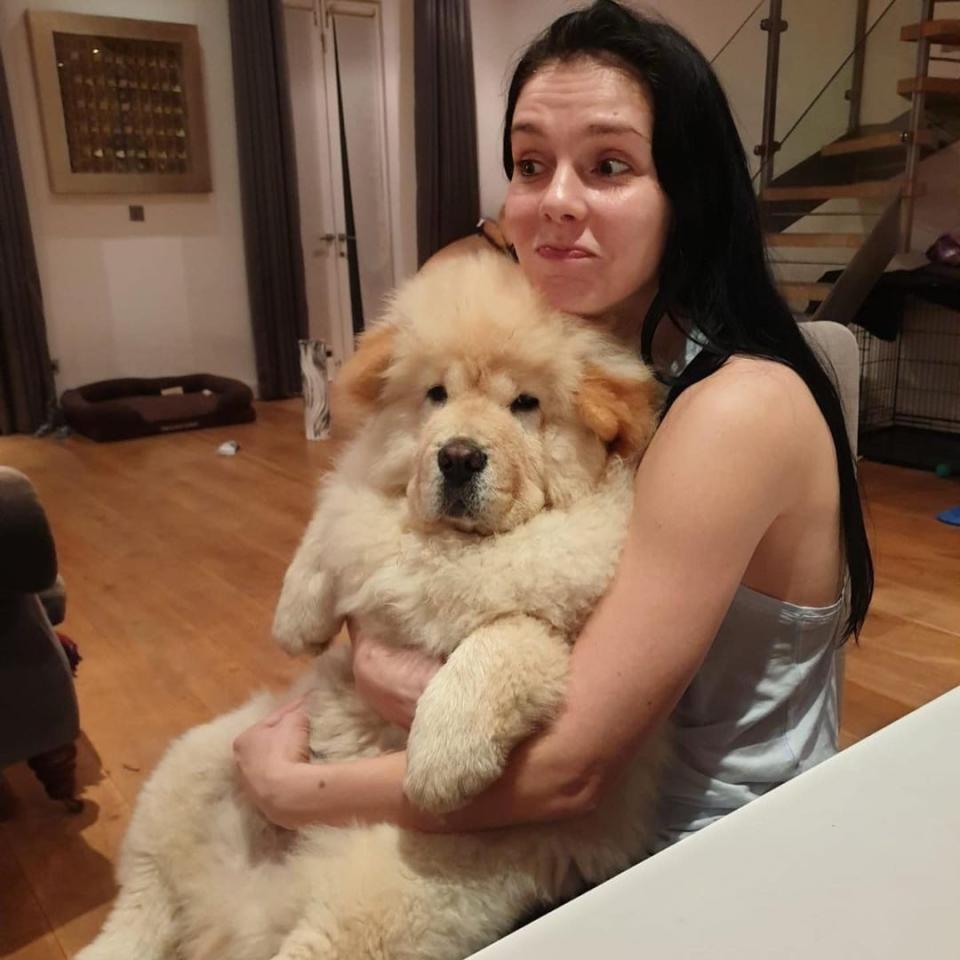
{"x": 122, "y": 409}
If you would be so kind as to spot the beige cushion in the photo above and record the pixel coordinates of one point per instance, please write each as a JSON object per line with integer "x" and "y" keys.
{"x": 836, "y": 348}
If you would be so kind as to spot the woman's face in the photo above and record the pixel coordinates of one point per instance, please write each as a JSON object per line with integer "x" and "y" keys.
{"x": 584, "y": 208}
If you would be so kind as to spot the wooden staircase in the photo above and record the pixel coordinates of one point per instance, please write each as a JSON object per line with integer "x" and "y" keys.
{"x": 934, "y": 31}
{"x": 834, "y": 240}
{"x": 875, "y": 141}
{"x": 840, "y": 191}
{"x": 859, "y": 167}
{"x": 936, "y": 88}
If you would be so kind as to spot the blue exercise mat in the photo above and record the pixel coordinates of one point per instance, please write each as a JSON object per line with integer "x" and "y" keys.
{"x": 951, "y": 516}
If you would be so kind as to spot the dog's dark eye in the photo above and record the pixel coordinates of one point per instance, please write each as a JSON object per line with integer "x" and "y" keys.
{"x": 437, "y": 394}
{"x": 524, "y": 403}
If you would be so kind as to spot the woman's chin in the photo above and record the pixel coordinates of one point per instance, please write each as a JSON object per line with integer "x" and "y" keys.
{"x": 577, "y": 287}
{"x": 581, "y": 303}
{"x": 622, "y": 316}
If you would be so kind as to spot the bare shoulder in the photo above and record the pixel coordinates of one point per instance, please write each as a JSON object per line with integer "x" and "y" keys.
{"x": 730, "y": 461}
{"x": 744, "y": 440}
{"x": 752, "y": 383}
{"x": 751, "y": 404}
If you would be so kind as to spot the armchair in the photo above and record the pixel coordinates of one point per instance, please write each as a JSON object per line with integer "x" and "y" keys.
{"x": 39, "y": 720}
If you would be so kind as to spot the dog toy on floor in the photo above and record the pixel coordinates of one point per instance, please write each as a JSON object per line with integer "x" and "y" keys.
{"x": 951, "y": 516}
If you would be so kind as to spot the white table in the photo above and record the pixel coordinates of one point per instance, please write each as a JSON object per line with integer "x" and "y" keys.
{"x": 858, "y": 859}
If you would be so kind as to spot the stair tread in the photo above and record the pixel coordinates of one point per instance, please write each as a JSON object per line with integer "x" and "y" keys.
{"x": 814, "y": 239}
{"x": 808, "y": 291}
{"x": 865, "y": 188}
{"x": 874, "y": 141}
{"x": 936, "y": 85}
{"x": 936, "y": 31}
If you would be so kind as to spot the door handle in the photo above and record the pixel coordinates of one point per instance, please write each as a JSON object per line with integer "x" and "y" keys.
{"x": 339, "y": 238}
{"x": 326, "y": 239}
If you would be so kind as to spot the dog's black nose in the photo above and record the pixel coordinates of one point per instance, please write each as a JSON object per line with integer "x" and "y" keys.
{"x": 460, "y": 460}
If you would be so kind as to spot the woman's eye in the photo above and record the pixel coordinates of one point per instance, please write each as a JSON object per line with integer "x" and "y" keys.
{"x": 528, "y": 168}
{"x": 611, "y": 167}
{"x": 524, "y": 403}
{"x": 437, "y": 394}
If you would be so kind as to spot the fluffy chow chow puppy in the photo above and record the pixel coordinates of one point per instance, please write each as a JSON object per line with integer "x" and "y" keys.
{"x": 477, "y": 513}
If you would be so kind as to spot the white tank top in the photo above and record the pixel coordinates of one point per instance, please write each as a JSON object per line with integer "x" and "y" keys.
{"x": 761, "y": 709}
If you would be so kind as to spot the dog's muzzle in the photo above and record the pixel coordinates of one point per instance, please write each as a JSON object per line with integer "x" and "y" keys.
{"x": 461, "y": 462}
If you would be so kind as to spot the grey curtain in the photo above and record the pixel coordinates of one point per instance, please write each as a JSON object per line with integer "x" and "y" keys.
{"x": 268, "y": 185}
{"x": 26, "y": 377}
{"x": 448, "y": 192}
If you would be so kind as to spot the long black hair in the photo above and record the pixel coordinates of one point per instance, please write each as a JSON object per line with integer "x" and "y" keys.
{"x": 714, "y": 276}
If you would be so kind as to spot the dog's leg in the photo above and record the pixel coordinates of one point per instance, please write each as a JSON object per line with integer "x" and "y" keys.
{"x": 305, "y": 618}
{"x": 503, "y": 681}
{"x": 389, "y": 894}
{"x": 173, "y": 815}
{"x": 306, "y": 943}
{"x": 142, "y": 923}
{"x": 441, "y": 909}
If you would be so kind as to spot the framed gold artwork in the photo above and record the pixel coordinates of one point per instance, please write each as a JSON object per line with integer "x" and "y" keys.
{"x": 121, "y": 104}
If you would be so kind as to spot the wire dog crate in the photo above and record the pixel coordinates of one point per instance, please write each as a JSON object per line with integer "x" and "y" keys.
{"x": 910, "y": 391}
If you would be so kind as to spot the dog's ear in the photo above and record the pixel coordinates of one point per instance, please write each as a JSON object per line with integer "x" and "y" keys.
{"x": 355, "y": 392}
{"x": 620, "y": 408}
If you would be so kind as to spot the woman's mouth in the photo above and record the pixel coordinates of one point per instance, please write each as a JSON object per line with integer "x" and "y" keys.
{"x": 549, "y": 252}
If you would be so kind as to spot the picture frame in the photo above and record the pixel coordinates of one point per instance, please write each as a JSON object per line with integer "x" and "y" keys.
{"x": 121, "y": 104}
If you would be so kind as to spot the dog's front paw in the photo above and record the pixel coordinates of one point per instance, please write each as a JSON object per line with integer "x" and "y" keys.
{"x": 302, "y": 621}
{"x": 292, "y": 627}
{"x": 447, "y": 769}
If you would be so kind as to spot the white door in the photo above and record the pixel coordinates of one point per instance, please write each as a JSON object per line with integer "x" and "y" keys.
{"x": 335, "y": 60}
{"x": 328, "y": 303}
{"x": 356, "y": 30}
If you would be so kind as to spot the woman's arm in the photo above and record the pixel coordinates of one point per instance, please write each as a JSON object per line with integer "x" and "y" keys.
{"x": 722, "y": 467}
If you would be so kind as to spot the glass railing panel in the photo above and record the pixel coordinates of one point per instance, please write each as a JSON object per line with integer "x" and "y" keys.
{"x": 740, "y": 65}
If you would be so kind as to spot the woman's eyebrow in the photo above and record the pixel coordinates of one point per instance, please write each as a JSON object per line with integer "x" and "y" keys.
{"x": 605, "y": 128}
{"x": 526, "y": 127}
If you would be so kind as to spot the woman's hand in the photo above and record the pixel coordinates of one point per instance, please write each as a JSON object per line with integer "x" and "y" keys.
{"x": 270, "y": 758}
{"x": 391, "y": 680}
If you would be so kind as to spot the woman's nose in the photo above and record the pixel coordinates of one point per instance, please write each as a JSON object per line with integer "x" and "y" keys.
{"x": 563, "y": 198}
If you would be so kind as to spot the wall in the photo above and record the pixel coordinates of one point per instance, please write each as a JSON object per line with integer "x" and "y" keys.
{"x": 165, "y": 296}
{"x": 169, "y": 295}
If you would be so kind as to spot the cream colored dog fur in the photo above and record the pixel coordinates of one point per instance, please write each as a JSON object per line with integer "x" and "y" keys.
{"x": 496, "y": 573}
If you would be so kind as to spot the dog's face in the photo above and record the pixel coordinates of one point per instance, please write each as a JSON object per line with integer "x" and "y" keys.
{"x": 487, "y": 406}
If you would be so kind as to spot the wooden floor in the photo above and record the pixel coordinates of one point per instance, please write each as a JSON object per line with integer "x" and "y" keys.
{"x": 173, "y": 558}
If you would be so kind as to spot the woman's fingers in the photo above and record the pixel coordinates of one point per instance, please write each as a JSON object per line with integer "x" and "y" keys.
{"x": 272, "y": 719}
{"x": 283, "y": 734}
{"x": 290, "y": 736}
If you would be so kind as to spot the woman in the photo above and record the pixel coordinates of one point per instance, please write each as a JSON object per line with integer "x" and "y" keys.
{"x": 630, "y": 204}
